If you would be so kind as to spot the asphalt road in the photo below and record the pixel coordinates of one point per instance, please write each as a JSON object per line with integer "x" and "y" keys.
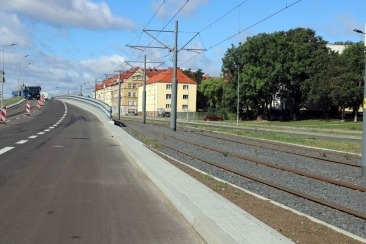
{"x": 64, "y": 179}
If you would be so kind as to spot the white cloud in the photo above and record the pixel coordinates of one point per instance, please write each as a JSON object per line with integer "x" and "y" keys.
{"x": 10, "y": 28}
{"x": 171, "y": 7}
{"x": 103, "y": 65}
{"x": 69, "y": 13}
{"x": 52, "y": 71}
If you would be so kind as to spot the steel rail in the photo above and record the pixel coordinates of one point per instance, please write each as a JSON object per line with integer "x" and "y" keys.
{"x": 286, "y": 151}
{"x": 279, "y": 187}
{"x": 295, "y": 171}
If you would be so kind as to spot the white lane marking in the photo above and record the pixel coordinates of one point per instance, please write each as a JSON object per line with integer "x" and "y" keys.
{"x": 32, "y": 137}
{"x": 5, "y": 149}
{"x": 40, "y": 133}
{"x": 52, "y": 127}
{"x": 21, "y": 142}
{"x": 47, "y": 130}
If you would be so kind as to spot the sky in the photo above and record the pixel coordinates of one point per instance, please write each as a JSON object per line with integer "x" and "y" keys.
{"x": 66, "y": 46}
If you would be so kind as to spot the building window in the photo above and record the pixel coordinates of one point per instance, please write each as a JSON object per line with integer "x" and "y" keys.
{"x": 137, "y": 77}
{"x": 130, "y": 103}
{"x": 185, "y": 96}
{"x": 185, "y": 107}
{"x": 129, "y": 85}
{"x": 130, "y": 94}
{"x": 134, "y": 85}
{"x": 168, "y": 86}
{"x": 168, "y": 105}
{"x": 185, "y": 87}
{"x": 168, "y": 96}
{"x": 134, "y": 94}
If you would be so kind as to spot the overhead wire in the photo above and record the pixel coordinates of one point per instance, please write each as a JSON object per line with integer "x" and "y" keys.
{"x": 210, "y": 26}
{"x": 241, "y": 31}
{"x": 171, "y": 19}
{"x": 152, "y": 17}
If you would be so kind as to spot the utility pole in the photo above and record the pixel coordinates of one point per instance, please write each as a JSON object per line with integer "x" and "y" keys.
{"x": 144, "y": 95}
{"x": 95, "y": 89}
{"x": 119, "y": 93}
{"x": 143, "y": 105}
{"x": 363, "y": 156}
{"x": 173, "y": 121}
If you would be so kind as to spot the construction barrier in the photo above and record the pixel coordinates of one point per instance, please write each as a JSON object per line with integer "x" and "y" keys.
{"x": 27, "y": 109}
{"x": 3, "y": 115}
{"x": 39, "y": 104}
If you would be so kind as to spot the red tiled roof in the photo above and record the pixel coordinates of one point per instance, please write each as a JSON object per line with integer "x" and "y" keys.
{"x": 154, "y": 75}
{"x": 167, "y": 77}
{"x": 150, "y": 72}
{"x": 126, "y": 74}
{"x": 110, "y": 81}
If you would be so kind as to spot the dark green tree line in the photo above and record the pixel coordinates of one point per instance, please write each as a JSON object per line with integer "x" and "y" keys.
{"x": 292, "y": 70}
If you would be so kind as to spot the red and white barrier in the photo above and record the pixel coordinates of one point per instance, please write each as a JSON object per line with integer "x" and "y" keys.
{"x": 27, "y": 109}
{"x": 39, "y": 104}
{"x": 3, "y": 115}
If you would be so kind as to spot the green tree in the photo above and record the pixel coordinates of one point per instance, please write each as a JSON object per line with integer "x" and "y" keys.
{"x": 281, "y": 66}
{"x": 212, "y": 89}
{"x": 346, "y": 78}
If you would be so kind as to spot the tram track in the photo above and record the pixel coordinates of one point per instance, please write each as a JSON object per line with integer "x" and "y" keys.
{"x": 290, "y": 149}
{"x": 182, "y": 146}
{"x": 268, "y": 164}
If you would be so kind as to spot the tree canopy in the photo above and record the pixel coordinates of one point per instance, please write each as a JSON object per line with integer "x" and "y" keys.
{"x": 290, "y": 70}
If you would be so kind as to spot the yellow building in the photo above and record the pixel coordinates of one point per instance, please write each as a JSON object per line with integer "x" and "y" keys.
{"x": 159, "y": 93}
{"x": 131, "y": 80}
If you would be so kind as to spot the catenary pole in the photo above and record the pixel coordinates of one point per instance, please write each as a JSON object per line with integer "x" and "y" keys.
{"x": 144, "y": 95}
{"x": 173, "y": 121}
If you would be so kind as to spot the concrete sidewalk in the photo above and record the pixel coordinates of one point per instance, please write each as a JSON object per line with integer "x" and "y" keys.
{"x": 216, "y": 219}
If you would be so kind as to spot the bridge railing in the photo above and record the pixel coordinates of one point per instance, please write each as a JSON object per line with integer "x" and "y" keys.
{"x": 18, "y": 103}
{"x": 105, "y": 108}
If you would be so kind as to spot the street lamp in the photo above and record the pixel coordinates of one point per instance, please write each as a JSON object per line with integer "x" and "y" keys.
{"x": 2, "y": 82}
{"x": 119, "y": 92}
{"x": 18, "y": 90}
{"x": 363, "y": 163}
{"x": 237, "y": 106}
{"x": 23, "y": 76}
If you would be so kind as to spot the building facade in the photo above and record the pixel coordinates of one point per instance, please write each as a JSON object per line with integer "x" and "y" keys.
{"x": 159, "y": 93}
{"x": 109, "y": 90}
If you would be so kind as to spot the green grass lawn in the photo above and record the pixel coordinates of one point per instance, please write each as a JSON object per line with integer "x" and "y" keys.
{"x": 334, "y": 124}
{"x": 9, "y": 101}
{"x": 270, "y": 130}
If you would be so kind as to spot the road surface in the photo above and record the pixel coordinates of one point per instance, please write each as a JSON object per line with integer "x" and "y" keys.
{"x": 64, "y": 179}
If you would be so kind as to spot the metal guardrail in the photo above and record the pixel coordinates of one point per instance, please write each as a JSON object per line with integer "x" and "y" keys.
{"x": 105, "y": 108}
{"x": 21, "y": 101}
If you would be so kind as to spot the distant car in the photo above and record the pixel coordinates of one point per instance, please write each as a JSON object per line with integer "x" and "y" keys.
{"x": 165, "y": 114}
{"x": 212, "y": 117}
{"x": 45, "y": 95}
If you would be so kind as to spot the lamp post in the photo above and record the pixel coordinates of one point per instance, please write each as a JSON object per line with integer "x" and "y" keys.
{"x": 363, "y": 163}
{"x": 2, "y": 82}
{"x": 23, "y": 76}
{"x": 119, "y": 93}
{"x": 237, "y": 106}
{"x": 18, "y": 90}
